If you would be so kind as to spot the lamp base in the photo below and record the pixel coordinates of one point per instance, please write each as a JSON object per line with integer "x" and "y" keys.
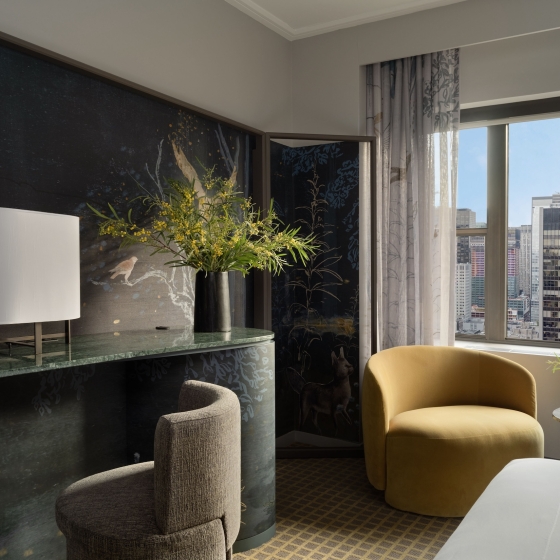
{"x": 36, "y": 341}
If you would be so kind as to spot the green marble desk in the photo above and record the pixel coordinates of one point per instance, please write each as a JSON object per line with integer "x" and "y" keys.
{"x": 94, "y": 405}
{"x": 130, "y": 345}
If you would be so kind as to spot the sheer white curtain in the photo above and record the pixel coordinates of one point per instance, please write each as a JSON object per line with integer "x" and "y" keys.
{"x": 366, "y": 319}
{"x": 413, "y": 109}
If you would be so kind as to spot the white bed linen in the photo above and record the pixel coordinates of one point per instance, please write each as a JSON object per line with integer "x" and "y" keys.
{"x": 517, "y": 517}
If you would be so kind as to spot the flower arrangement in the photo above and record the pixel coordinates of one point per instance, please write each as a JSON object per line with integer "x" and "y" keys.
{"x": 210, "y": 227}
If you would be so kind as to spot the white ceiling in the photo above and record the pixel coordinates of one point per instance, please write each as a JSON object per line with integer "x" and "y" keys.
{"x": 296, "y": 19}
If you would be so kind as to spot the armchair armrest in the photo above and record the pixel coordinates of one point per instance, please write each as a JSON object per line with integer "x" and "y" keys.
{"x": 505, "y": 384}
{"x": 376, "y": 415}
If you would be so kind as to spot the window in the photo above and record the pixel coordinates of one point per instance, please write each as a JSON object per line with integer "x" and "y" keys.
{"x": 471, "y": 218}
{"x": 534, "y": 213}
{"x": 508, "y": 223}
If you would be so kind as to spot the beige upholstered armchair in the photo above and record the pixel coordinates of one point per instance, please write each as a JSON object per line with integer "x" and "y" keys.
{"x": 184, "y": 505}
{"x": 439, "y": 423}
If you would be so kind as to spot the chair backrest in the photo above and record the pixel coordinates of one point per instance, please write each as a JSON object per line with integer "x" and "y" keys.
{"x": 415, "y": 377}
{"x": 197, "y": 461}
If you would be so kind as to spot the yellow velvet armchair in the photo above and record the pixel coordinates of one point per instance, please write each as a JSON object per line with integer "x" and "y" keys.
{"x": 439, "y": 423}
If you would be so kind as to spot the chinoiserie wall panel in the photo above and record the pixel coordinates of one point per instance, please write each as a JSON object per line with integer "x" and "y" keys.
{"x": 67, "y": 140}
{"x": 55, "y": 428}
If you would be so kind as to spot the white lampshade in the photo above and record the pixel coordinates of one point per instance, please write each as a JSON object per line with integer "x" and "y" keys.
{"x": 39, "y": 267}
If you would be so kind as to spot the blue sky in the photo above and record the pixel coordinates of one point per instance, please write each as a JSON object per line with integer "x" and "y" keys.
{"x": 534, "y": 168}
{"x": 471, "y": 190}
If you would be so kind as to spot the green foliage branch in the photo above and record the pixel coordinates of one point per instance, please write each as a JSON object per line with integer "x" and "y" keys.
{"x": 555, "y": 363}
{"x": 209, "y": 226}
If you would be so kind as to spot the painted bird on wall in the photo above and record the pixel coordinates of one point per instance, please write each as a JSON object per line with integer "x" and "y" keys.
{"x": 124, "y": 267}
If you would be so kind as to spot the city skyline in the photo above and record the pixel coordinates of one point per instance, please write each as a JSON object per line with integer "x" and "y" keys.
{"x": 533, "y": 274}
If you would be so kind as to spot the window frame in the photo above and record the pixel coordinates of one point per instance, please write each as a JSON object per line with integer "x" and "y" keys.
{"x": 497, "y": 119}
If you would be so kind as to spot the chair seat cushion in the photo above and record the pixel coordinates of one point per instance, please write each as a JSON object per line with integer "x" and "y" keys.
{"x": 466, "y": 421}
{"x": 439, "y": 460}
{"x": 111, "y": 516}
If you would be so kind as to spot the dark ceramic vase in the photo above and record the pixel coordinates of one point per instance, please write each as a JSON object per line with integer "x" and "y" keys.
{"x": 211, "y": 302}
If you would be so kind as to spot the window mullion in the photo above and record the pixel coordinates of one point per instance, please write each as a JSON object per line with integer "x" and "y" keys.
{"x": 496, "y": 239}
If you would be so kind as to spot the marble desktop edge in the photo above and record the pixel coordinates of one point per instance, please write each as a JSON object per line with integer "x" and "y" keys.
{"x": 243, "y": 338}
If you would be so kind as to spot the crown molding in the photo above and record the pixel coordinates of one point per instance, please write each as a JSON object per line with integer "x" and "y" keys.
{"x": 278, "y": 25}
{"x": 265, "y": 17}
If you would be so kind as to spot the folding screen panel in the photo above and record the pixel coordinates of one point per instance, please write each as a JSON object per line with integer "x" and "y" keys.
{"x": 316, "y": 305}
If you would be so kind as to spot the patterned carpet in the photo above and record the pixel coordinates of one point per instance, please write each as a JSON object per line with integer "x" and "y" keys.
{"x": 326, "y": 508}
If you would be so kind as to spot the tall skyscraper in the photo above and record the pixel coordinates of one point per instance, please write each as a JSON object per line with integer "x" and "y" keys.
{"x": 514, "y": 236}
{"x": 463, "y": 291}
{"x": 466, "y": 218}
{"x": 463, "y": 249}
{"x": 525, "y": 260}
{"x": 477, "y": 247}
{"x": 549, "y": 277}
{"x": 538, "y": 203}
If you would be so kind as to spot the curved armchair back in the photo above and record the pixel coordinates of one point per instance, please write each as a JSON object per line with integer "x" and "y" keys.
{"x": 412, "y": 377}
{"x": 197, "y": 461}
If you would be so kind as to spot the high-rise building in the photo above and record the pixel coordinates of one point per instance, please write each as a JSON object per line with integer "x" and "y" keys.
{"x": 521, "y": 305}
{"x": 463, "y": 291}
{"x": 466, "y": 218}
{"x": 538, "y": 204}
{"x": 514, "y": 236}
{"x": 463, "y": 249}
{"x": 525, "y": 260}
{"x": 477, "y": 247}
{"x": 549, "y": 277}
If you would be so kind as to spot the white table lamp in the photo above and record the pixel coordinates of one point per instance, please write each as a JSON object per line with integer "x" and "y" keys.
{"x": 39, "y": 270}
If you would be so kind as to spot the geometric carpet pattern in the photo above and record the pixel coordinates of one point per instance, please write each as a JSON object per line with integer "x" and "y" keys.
{"x": 327, "y": 509}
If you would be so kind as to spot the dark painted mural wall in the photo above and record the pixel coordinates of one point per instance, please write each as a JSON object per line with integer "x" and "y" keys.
{"x": 55, "y": 428}
{"x": 315, "y": 307}
{"x": 67, "y": 139}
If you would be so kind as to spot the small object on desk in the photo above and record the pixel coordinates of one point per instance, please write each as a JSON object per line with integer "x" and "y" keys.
{"x": 162, "y": 328}
{"x": 556, "y": 414}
